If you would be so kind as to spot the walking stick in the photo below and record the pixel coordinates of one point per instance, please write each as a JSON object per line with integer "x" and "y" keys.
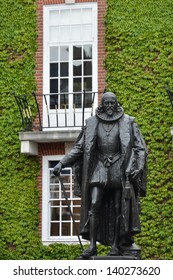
{"x": 69, "y": 209}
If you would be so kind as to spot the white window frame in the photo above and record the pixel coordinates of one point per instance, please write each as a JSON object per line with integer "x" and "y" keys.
{"x": 46, "y": 238}
{"x": 47, "y": 44}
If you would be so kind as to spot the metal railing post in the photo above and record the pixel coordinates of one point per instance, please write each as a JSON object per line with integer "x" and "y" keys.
{"x": 38, "y": 111}
{"x": 48, "y": 117}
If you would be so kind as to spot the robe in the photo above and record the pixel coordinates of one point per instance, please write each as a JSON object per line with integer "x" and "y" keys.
{"x": 133, "y": 157}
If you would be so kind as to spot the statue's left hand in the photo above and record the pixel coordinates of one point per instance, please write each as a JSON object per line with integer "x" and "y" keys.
{"x": 135, "y": 174}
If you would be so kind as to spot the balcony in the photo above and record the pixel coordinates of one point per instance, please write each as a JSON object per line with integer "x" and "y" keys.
{"x": 59, "y": 117}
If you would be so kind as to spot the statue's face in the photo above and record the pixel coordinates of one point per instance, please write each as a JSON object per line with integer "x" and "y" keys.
{"x": 109, "y": 105}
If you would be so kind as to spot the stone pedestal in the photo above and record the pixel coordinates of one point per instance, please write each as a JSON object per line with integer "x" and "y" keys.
{"x": 132, "y": 252}
{"x": 109, "y": 258}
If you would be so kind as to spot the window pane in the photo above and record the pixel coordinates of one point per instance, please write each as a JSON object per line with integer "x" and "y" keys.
{"x": 53, "y": 101}
{"x": 54, "y": 86}
{"x": 64, "y": 32}
{"x": 77, "y": 53}
{"x": 64, "y": 85}
{"x": 65, "y": 229}
{"x": 87, "y": 68}
{"x": 65, "y": 17}
{"x": 65, "y": 214}
{"x": 54, "y": 17}
{"x": 77, "y": 68}
{"x": 66, "y": 179}
{"x": 76, "y": 33}
{"x": 54, "y": 229}
{"x": 53, "y": 179}
{"x": 88, "y": 84}
{"x": 64, "y": 103}
{"x": 77, "y": 100}
{"x": 76, "y": 207}
{"x": 53, "y": 53}
{"x": 54, "y": 34}
{"x": 88, "y": 100}
{"x": 75, "y": 16}
{"x": 87, "y": 51}
{"x": 76, "y": 212}
{"x": 76, "y": 228}
{"x": 87, "y": 15}
{"x": 53, "y": 69}
{"x": 67, "y": 192}
{"x": 54, "y": 203}
{"x": 52, "y": 164}
{"x": 87, "y": 32}
{"x": 54, "y": 213}
{"x": 64, "y": 52}
{"x": 54, "y": 195}
{"x": 77, "y": 85}
{"x": 64, "y": 69}
{"x": 65, "y": 172}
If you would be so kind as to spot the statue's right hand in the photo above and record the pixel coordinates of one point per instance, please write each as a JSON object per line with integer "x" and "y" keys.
{"x": 57, "y": 169}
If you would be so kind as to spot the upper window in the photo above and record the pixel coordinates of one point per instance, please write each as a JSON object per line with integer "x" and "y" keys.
{"x": 70, "y": 61}
{"x": 71, "y": 24}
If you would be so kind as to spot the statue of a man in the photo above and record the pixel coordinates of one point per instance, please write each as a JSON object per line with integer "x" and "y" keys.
{"x": 110, "y": 166}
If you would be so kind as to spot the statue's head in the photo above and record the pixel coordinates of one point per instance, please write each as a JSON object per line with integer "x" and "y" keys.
{"x": 109, "y": 109}
{"x": 109, "y": 103}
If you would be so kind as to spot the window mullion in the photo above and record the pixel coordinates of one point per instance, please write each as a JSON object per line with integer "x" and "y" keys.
{"x": 70, "y": 76}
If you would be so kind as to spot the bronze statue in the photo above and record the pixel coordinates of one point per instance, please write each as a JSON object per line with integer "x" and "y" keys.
{"x": 109, "y": 159}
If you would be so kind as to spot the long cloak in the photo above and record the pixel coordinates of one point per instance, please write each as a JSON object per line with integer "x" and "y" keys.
{"x": 133, "y": 156}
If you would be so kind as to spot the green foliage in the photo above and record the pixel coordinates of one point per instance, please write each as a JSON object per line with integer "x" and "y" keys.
{"x": 139, "y": 62}
{"x": 19, "y": 197}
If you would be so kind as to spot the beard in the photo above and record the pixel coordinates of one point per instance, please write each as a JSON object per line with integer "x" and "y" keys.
{"x": 110, "y": 111}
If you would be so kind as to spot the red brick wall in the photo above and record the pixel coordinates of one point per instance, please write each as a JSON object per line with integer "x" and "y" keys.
{"x": 59, "y": 148}
{"x": 45, "y": 149}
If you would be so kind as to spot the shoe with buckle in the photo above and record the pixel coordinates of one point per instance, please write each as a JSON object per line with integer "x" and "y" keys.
{"x": 113, "y": 251}
{"x": 89, "y": 253}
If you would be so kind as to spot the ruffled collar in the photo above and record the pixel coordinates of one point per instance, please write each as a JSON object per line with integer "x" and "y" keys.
{"x": 116, "y": 116}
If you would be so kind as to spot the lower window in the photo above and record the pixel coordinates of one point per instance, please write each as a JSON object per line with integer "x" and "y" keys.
{"x": 61, "y": 208}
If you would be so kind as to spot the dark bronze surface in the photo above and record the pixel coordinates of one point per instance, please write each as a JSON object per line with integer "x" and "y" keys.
{"x": 109, "y": 162}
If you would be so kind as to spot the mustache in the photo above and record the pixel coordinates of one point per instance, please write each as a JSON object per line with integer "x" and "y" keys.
{"x": 110, "y": 108}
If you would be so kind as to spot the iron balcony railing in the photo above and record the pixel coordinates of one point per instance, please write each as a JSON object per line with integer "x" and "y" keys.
{"x": 51, "y": 111}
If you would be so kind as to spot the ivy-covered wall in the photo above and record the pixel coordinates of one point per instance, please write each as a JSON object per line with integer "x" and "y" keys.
{"x": 139, "y": 62}
{"x": 19, "y": 211}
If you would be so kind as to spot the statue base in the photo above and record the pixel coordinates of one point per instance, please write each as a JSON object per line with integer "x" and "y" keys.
{"x": 132, "y": 252}
{"x": 108, "y": 258}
